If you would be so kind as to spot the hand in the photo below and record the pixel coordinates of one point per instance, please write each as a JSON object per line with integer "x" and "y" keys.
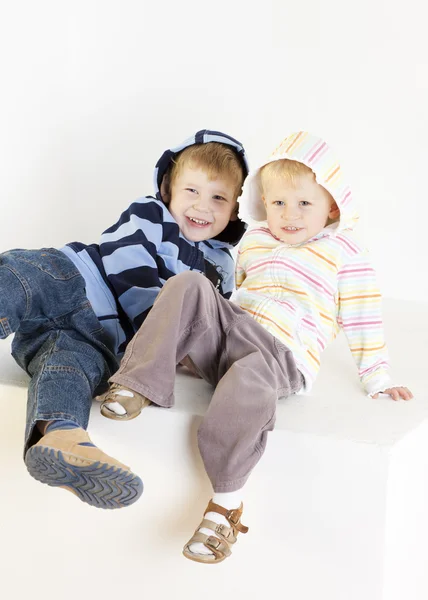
{"x": 396, "y": 393}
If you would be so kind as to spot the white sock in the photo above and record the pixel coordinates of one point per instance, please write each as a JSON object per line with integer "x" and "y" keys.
{"x": 116, "y": 407}
{"x": 227, "y": 500}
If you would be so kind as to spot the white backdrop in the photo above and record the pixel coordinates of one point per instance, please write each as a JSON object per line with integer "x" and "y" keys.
{"x": 93, "y": 91}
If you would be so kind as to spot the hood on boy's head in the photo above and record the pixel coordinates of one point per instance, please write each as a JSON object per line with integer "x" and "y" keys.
{"x": 313, "y": 152}
{"x": 235, "y": 229}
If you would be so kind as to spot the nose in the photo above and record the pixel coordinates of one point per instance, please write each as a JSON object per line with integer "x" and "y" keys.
{"x": 289, "y": 213}
{"x": 202, "y": 204}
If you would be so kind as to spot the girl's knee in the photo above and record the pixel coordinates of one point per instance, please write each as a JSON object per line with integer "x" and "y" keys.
{"x": 188, "y": 280}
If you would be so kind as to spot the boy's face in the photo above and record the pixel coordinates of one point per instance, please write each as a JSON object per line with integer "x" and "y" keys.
{"x": 297, "y": 212}
{"x": 202, "y": 208}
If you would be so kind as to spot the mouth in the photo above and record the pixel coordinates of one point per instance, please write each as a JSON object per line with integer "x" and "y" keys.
{"x": 291, "y": 229}
{"x": 197, "y": 222}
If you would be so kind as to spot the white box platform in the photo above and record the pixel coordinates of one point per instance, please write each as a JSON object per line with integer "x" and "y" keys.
{"x": 337, "y": 507}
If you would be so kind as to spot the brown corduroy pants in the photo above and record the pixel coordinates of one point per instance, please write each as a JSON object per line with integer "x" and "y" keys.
{"x": 248, "y": 366}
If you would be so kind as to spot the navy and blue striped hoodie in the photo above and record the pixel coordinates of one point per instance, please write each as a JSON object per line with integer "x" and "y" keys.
{"x": 134, "y": 258}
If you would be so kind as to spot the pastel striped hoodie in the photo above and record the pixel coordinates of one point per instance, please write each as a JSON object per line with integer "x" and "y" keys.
{"x": 305, "y": 293}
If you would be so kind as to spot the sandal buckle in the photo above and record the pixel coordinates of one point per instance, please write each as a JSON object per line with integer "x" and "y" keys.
{"x": 220, "y": 529}
{"x": 213, "y": 542}
{"x": 233, "y": 516}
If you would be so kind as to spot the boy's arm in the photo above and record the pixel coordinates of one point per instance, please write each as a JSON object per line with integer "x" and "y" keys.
{"x": 360, "y": 317}
{"x": 129, "y": 252}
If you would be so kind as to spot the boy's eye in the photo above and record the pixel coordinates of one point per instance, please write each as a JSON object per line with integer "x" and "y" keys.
{"x": 191, "y": 190}
{"x": 221, "y": 198}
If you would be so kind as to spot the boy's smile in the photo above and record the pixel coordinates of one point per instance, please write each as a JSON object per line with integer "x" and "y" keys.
{"x": 202, "y": 207}
{"x": 298, "y": 211}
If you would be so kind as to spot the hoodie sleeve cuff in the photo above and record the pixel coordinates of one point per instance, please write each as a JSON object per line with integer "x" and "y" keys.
{"x": 378, "y": 384}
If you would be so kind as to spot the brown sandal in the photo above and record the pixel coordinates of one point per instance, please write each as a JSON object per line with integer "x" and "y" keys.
{"x": 133, "y": 405}
{"x": 220, "y": 543}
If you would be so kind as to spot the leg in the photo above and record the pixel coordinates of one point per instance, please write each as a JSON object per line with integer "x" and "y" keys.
{"x": 43, "y": 301}
{"x": 61, "y": 344}
{"x": 36, "y": 287}
{"x": 184, "y": 321}
{"x": 252, "y": 368}
{"x": 232, "y": 436}
{"x": 65, "y": 374}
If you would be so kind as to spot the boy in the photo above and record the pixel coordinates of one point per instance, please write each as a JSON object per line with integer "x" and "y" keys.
{"x": 301, "y": 276}
{"x": 74, "y": 310}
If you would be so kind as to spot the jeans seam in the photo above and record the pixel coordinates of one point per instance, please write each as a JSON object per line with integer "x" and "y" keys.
{"x": 74, "y": 310}
{"x": 68, "y": 369}
{"x": 36, "y": 391}
{"x": 64, "y": 369}
{"x": 45, "y": 416}
{"x": 26, "y": 288}
{"x": 33, "y": 264}
{"x": 5, "y": 327}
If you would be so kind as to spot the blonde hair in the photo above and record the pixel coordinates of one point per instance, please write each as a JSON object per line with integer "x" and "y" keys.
{"x": 290, "y": 171}
{"x": 287, "y": 170}
{"x": 215, "y": 158}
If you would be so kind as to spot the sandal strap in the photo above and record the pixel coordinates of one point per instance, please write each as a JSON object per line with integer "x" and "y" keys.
{"x": 233, "y": 515}
{"x": 218, "y": 547}
{"x": 131, "y": 404}
{"x": 223, "y": 531}
{"x": 111, "y": 393}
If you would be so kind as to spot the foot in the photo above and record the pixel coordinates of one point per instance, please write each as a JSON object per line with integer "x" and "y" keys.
{"x": 217, "y": 532}
{"x": 121, "y": 404}
{"x": 67, "y": 458}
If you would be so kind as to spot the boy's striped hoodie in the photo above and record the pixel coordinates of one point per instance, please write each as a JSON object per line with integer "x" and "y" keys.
{"x": 125, "y": 272}
{"x": 305, "y": 293}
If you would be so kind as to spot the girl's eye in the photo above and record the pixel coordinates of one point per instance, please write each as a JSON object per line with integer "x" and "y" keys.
{"x": 305, "y": 203}
{"x": 279, "y": 203}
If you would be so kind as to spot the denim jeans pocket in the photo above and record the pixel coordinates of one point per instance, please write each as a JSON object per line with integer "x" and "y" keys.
{"x": 50, "y": 261}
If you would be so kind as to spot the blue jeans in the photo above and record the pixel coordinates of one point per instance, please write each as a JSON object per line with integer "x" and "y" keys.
{"x": 58, "y": 339}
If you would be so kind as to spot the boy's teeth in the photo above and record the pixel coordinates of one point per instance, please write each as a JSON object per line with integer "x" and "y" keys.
{"x": 198, "y": 221}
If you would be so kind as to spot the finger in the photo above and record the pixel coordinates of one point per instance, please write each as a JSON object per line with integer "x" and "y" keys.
{"x": 375, "y": 396}
{"x": 406, "y": 394}
{"x": 403, "y": 393}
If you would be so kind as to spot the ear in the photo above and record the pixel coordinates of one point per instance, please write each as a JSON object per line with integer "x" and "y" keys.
{"x": 234, "y": 215}
{"x": 264, "y": 200}
{"x": 165, "y": 189}
{"x": 334, "y": 211}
